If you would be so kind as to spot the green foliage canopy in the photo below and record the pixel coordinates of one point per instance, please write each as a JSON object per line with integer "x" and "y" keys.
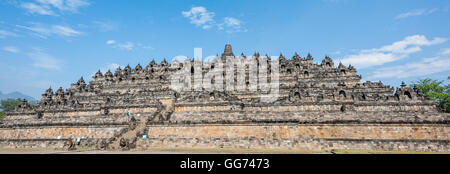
{"x": 8, "y": 105}
{"x": 435, "y": 90}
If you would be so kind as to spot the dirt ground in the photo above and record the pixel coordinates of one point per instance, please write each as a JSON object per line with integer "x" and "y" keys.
{"x": 156, "y": 151}
{"x": 199, "y": 151}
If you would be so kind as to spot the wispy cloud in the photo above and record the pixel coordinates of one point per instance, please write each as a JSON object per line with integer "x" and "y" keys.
{"x": 139, "y": 45}
{"x": 424, "y": 67}
{"x": 336, "y": 52}
{"x": 203, "y": 18}
{"x": 37, "y": 9}
{"x": 389, "y": 53}
{"x": 231, "y": 25}
{"x": 127, "y": 45}
{"x": 445, "y": 51}
{"x": 46, "y": 30}
{"x": 44, "y": 60}
{"x": 5, "y": 34}
{"x": 200, "y": 17}
{"x": 104, "y": 26}
{"x": 64, "y": 30}
{"x": 11, "y": 49}
{"x": 112, "y": 67}
{"x": 416, "y": 12}
{"x": 110, "y": 42}
{"x": 48, "y": 7}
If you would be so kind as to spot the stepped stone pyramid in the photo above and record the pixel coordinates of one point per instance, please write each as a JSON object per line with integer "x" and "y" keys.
{"x": 318, "y": 107}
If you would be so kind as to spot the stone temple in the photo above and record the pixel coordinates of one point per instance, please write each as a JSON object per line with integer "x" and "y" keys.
{"x": 320, "y": 107}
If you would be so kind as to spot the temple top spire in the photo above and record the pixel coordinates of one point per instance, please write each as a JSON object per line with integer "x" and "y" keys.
{"x": 228, "y": 51}
{"x": 403, "y": 85}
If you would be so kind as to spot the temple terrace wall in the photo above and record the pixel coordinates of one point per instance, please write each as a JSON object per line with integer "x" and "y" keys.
{"x": 404, "y": 137}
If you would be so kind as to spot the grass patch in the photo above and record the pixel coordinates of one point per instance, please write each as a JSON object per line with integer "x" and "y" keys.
{"x": 351, "y": 151}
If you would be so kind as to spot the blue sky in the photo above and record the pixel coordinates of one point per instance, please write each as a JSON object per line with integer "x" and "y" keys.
{"x": 53, "y": 42}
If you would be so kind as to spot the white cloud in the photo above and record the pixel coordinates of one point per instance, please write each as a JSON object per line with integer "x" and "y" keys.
{"x": 48, "y": 7}
{"x": 200, "y": 17}
{"x": 144, "y": 46}
{"x": 11, "y": 49}
{"x": 389, "y": 53}
{"x": 64, "y": 31}
{"x": 5, "y": 34}
{"x": 336, "y": 52}
{"x": 44, "y": 31}
{"x": 229, "y": 21}
{"x": 411, "y": 44}
{"x": 37, "y": 9}
{"x": 231, "y": 25}
{"x": 425, "y": 67}
{"x": 127, "y": 45}
{"x": 203, "y": 18}
{"x": 112, "y": 66}
{"x": 65, "y": 5}
{"x": 109, "y": 42}
{"x": 105, "y": 26}
{"x": 365, "y": 60}
{"x": 445, "y": 51}
{"x": 45, "y": 61}
{"x": 416, "y": 12}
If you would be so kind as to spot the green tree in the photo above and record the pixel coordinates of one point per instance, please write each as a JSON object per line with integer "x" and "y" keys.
{"x": 8, "y": 105}
{"x": 447, "y": 87}
{"x": 435, "y": 90}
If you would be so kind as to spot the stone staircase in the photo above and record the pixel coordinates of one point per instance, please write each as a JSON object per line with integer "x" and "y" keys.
{"x": 165, "y": 111}
{"x": 137, "y": 129}
{"x": 128, "y": 139}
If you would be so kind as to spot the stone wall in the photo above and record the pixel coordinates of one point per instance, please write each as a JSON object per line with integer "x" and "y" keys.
{"x": 306, "y": 107}
{"x": 32, "y": 143}
{"x": 405, "y": 137}
{"x": 301, "y": 144}
{"x": 59, "y": 132}
{"x": 290, "y": 131}
{"x": 400, "y": 137}
{"x": 270, "y": 116}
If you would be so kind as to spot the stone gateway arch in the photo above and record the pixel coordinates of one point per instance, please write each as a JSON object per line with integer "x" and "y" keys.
{"x": 319, "y": 106}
